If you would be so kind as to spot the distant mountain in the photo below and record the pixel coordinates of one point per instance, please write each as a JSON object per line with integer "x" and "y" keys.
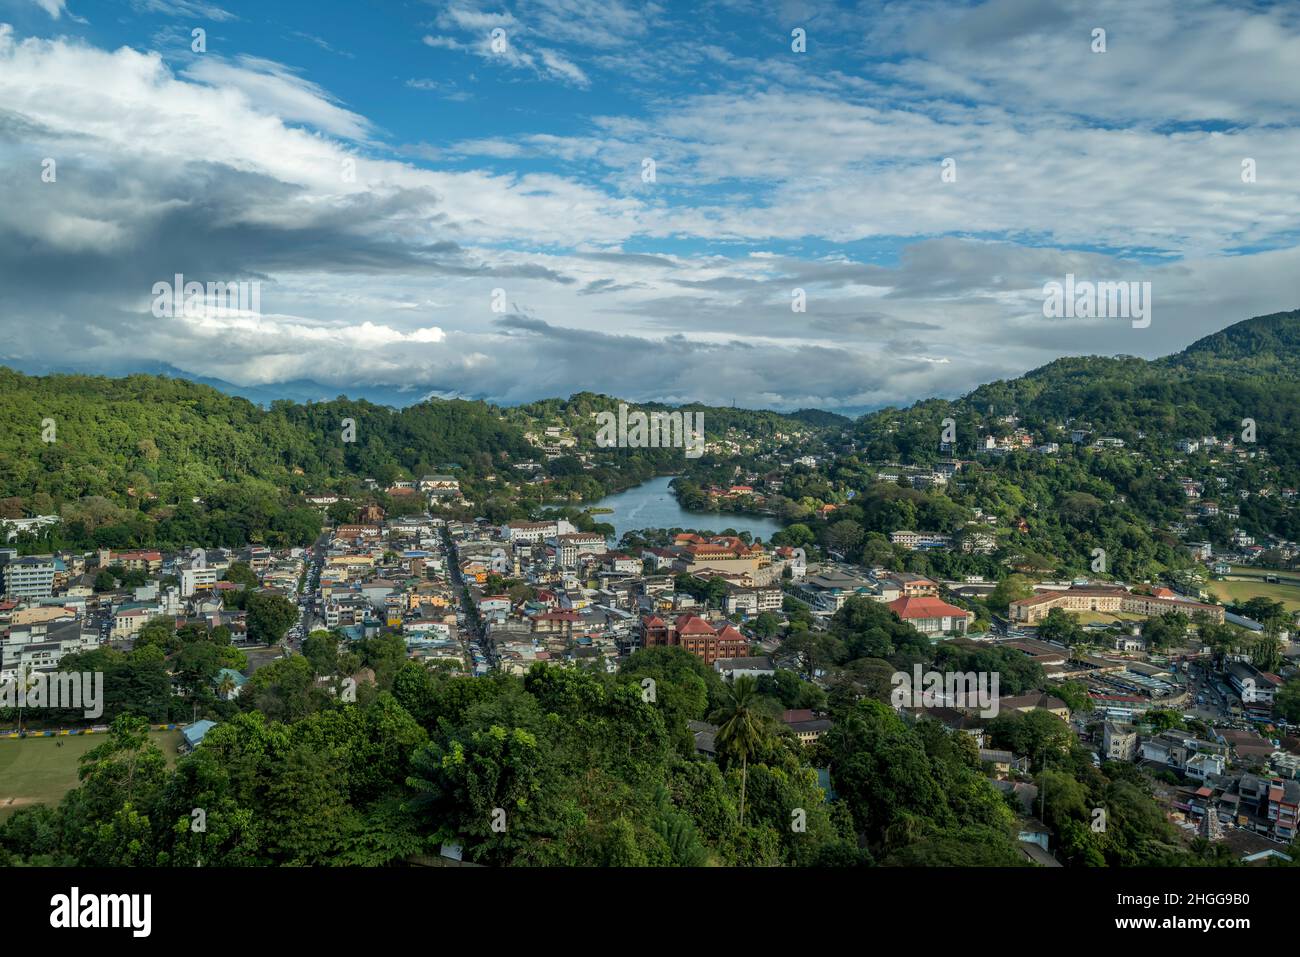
{"x": 296, "y": 390}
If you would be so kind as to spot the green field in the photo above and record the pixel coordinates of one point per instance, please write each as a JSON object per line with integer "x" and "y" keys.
{"x": 1241, "y": 591}
{"x": 37, "y": 770}
{"x": 1254, "y": 571}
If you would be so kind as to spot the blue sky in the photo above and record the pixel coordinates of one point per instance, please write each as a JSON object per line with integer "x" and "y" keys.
{"x": 516, "y": 169}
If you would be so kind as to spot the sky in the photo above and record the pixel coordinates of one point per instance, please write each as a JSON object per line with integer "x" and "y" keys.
{"x": 773, "y": 204}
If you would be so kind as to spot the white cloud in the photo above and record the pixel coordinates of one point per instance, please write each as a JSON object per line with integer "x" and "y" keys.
{"x": 235, "y": 169}
{"x": 54, "y": 8}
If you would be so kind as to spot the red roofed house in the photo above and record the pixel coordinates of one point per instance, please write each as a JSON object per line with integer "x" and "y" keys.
{"x": 148, "y": 561}
{"x": 930, "y": 615}
{"x": 692, "y": 633}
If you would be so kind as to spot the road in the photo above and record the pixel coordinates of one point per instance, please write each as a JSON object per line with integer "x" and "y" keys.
{"x": 467, "y": 626}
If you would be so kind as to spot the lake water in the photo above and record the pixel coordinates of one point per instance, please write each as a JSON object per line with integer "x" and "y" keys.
{"x": 652, "y": 505}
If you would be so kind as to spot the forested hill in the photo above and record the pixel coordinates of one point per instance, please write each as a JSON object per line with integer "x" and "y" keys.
{"x": 151, "y": 460}
{"x": 1249, "y": 370}
{"x": 1263, "y": 345}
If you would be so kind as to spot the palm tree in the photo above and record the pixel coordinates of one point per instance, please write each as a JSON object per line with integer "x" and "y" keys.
{"x": 24, "y": 684}
{"x": 742, "y": 727}
{"x": 227, "y": 685}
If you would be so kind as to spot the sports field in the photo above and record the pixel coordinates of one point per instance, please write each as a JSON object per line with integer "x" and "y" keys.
{"x": 1287, "y": 589}
{"x": 37, "y": 770}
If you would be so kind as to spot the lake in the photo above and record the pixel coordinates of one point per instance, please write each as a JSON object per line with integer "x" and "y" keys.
{"x": 652, "y": 505}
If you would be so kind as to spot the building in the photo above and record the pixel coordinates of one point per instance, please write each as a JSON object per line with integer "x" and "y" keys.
{"x": 535, "y": 531}
{"x": 440, "y": 486}
{"x": 127, "y": 622}
{"x": 695, "y": 635}
{"x": 198, "y": 579}
{"x": 193, "y": 735}
{"x": 1035, "y": 701}
{"x": 751, "y": 601}
{"x": 751, "y": 564}
{"x": 30, "y": 577}
{"x": 910, "y": 585}
{"x": 147, "y": 561}
{"x": 1119, "y": 741}
{"x": 914, "y": 540}
{"x": 1252, "y": 685}
{"x": 931, "y": 616}
{"x": 752, "y": 667}
{"x": 1034, "y": 609}
{"x": 805, "y": 725}
{"x": 569, "y": 545}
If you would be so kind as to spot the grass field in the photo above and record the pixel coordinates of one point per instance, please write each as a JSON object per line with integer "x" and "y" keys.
{"x": 1241, "y": 591}
{"x": 1254, "y": 571}
{"x": 38, "y": 771}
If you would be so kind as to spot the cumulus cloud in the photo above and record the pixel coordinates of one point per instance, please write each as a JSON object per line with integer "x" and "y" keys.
{"x": 391, "y": 266}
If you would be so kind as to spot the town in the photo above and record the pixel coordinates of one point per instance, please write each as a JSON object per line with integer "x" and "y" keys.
{"x": 1165, "y": 679}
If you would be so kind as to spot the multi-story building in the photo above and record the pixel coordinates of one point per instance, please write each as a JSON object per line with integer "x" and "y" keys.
{"x": 1119, "y": 741}
{"x": 751, "y": 563}
{"x": 695, "y": 635}
{"x": 196, "y": 579}
{"x": 148, "y": 561}
{"x": 31, "y": 577}
{"x": 127, "y": 622}
{"x": 914, "y": 540}
{"x": 1274, "y": 803}
{"x": 569, "y": 545}
{"x": 751, "y": 601}
{"x": 1107, "y": 600}
{"x": 536, "y": 531}
{"x": 912, "y": 586}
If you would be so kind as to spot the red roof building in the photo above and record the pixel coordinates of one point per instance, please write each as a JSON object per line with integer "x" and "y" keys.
{"x": 930, "y": 615}
{"x": 692, "y": 633}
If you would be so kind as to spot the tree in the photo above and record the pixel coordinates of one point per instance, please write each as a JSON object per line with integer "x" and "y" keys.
{"x": 1037, "y": 733}
{"x": 241, "y": 574}
{"x": 766, "y": 625}
{"x": 1266, "y": 651}
{"x": 269, "y": 617}
{"x": 1162, "y": 719}
{"x": 1012, "y": 588}
{"x": 321, "y": 648}
{"x": 1061, "y": 627}
{"x": 742, "y": 728}
{"x": 877, "y": 550}
{"x": 1165, "y": 631}
{"x": 1288, "y": 701}
{"x": 844, "y": 536}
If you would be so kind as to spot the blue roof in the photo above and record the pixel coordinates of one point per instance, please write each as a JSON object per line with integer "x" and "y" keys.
{"x": 196, "y": 732}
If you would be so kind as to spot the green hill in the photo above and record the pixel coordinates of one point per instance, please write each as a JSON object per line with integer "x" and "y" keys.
{"x": 152, "y": 460}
